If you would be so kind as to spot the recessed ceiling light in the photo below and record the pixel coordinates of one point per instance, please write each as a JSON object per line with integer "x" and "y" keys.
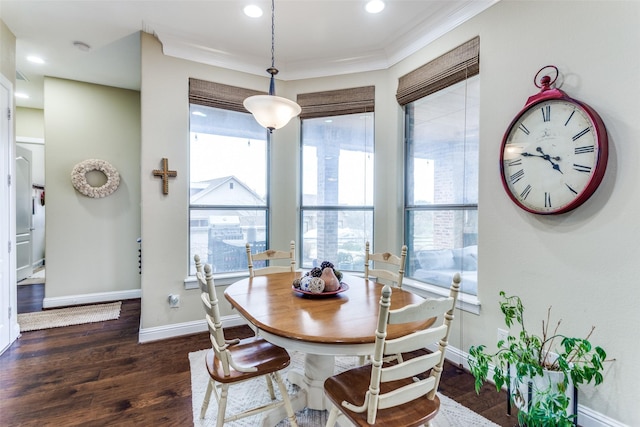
{"x": 374, "y": 6}
{"x": 21, "y": 95}
{"x": 253, "y": 11}
{"x": 35, "y": 59}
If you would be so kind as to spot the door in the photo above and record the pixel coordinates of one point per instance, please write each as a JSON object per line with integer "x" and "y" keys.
{"x": 24, "y": 214}
{"x": 7, "y": 266}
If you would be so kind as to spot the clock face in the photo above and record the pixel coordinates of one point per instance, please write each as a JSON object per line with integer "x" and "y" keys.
{"x": 551, "y": 156}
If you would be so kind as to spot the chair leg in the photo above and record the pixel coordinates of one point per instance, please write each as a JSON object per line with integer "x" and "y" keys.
{"x": 270, "y": 387}
{"x": 333, "y": 417}
{"x": 207, "y": 396}
{"x": 287, "y": 401}
{"x": 222, "y": 405}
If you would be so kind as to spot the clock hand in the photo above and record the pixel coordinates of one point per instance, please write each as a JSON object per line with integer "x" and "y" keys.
{"x": 545, "y": 157}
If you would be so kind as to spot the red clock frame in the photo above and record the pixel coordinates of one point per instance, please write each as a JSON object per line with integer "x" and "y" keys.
{"x": 547, "y": 93}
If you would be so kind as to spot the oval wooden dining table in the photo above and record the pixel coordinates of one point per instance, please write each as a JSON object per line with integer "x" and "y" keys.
{"x": 320, "y": 327}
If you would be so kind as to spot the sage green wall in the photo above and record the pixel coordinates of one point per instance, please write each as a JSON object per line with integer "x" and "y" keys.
{"x": 29, "y": 123}
{"x": 91, "y": 243}
{"x": 7, "y": 53}
{"x": 580, "y": 262}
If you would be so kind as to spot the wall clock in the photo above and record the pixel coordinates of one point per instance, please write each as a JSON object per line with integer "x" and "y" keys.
{"x": 554, "y": 153}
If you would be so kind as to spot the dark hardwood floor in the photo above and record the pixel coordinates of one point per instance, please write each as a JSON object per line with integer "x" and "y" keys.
{"x": 99, "y": 375}
{"x": 30, "y": 298}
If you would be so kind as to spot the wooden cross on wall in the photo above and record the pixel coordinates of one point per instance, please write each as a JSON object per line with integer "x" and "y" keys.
{"x": 165, "y": 174}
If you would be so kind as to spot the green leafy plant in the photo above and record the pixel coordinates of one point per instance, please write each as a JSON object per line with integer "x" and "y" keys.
{"x": 522, "y": 358}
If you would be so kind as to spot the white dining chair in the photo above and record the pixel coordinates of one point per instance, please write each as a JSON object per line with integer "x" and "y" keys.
{"x": 403, "y": 393}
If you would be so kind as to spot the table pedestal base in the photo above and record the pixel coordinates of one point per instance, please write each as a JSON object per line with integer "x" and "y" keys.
{"x": 317, "y": 368}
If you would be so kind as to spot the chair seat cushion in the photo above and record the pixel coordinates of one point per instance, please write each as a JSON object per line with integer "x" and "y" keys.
{"x": 352, "y": 385}
{"x": 253, "y": 351}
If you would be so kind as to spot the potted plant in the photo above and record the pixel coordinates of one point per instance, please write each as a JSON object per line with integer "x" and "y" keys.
{"x": 527, "y": 364}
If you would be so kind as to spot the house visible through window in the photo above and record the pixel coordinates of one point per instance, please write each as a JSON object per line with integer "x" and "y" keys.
{"x": 228, "y": 204}
{"x": 441, "y": 173}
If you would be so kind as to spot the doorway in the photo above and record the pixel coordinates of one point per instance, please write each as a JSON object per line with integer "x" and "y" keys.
{"x": 30, "y": 223}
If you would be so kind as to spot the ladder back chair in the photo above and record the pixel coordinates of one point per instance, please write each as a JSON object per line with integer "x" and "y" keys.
{"x": 373, "y": 262}
{"x": 229, "y": 362}
{"x": 200, "y": 273}
{"x": 271, "y": 255}
{"x": 404, "y": 393}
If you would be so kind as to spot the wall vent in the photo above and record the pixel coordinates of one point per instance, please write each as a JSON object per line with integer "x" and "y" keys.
{"x": 20, "y": 76}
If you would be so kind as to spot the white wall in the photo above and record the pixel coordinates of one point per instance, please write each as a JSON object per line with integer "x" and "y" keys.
{"x": 91, "y": 243}
{"x": 581, "y": 263}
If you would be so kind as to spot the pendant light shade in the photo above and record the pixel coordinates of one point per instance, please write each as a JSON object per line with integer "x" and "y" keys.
{"x": 271, "y": 111}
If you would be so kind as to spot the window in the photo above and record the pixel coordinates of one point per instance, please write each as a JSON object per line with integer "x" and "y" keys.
{"x": 441, "y": 182}
{"x": 336, "y": 177}
{"x": 228, "y": 186}
{"x": 337, "y": 190}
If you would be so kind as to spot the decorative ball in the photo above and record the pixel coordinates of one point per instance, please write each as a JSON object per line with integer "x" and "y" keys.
{"x": 315, "y": 272}
{"x": 296, "y": 283}
{"x": 326, "y": 264}
{"x": 304, "y": 282}
{"x": 316, "y": 285}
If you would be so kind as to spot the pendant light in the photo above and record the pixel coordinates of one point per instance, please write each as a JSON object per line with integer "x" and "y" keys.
{"x": 271, "y": 111}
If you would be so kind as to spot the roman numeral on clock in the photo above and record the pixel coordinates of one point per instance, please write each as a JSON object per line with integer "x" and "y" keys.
{"x": 570, "y": 116}
{"x": 516, "y": 176}
{"x": 546, "y": 113}
{"x": 524, "y": 129}
{"x": 525, "y": 192}
{"x": 582, "y": 168}
{"x": 547, "y": 200}
{"x": 585, "y": 149}
{"x": 571, "y": 189}
{"x": 581, "y": 133}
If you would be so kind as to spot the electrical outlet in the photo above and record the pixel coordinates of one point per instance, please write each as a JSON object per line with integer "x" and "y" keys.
{"x": 174, "y": 300}
{"x": 502, "y": 335}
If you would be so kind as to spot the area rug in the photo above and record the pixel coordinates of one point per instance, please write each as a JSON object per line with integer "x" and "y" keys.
{"x": 68, "y": 316}
{"x": 254, "y": 392}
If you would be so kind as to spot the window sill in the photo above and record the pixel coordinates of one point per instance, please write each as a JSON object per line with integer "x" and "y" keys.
{"x": 466, "y": 302}
{"x": 219, "y": 279}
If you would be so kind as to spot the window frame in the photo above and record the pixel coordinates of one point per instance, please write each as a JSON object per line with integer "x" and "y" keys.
{"x": 457, "y": 65}
{"x": 228, "y": 98}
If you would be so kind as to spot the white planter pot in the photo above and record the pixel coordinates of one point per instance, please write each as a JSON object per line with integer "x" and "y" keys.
{"x": 524, "y": 392}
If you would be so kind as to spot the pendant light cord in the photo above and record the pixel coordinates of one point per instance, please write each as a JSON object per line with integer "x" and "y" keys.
{"x": 273, "y": 34}
{"x": 273, "y": 70}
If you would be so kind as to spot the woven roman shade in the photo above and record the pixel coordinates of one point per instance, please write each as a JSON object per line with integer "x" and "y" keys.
{"x": 337, "y": 102}
{"x": 454, "y": 66}
{"x": 218, "y": 95}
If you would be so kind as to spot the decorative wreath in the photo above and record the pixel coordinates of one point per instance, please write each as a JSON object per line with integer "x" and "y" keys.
{"x": 79, "y": 178}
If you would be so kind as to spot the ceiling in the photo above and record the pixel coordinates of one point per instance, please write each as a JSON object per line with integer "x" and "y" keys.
{"x": 313, "y": 38}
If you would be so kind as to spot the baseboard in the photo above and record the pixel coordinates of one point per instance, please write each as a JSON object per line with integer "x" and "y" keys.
{"x": 186, "y": 328}
{"x": 90, "y": 298}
